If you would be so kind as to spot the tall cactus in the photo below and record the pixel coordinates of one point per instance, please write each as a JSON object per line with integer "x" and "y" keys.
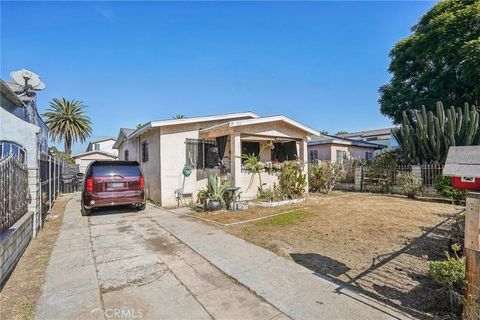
{"x": 425, "y": 137}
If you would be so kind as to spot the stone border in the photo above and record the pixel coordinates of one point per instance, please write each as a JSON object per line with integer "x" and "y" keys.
{"x": 275, "y": 203}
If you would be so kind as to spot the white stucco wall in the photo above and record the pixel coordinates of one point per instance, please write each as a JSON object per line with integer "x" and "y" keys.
{"x": 106, "y": 146}
{"x": 21, "y": 132}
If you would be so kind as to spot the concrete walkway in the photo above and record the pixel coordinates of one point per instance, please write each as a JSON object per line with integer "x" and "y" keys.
{"x": 292, "y": 288}
{"x": 121, "y": 264}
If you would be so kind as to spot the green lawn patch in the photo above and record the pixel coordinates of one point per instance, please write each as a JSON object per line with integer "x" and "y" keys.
{"x": 285, "y": 219}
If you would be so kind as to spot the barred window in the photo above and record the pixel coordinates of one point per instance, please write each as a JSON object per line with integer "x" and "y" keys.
{"x": 125, "y": 155}
{"x": 145, "y": 151}
{"x": 202, "y": 153}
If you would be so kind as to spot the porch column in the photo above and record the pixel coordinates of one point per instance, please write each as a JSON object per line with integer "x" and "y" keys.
{"x": 304, "y": 157}
{"x": 236, "y": 162}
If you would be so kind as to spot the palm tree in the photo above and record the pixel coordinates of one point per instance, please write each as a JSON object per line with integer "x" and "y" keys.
{"x": 67, "y": 121}
{"x": 179, "y": 116}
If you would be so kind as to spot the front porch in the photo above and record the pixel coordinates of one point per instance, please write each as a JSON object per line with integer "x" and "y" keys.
{"x": 273, "y": 142}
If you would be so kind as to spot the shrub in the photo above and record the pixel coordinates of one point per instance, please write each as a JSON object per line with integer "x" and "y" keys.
{"x": 443, "y": 185}
{"x": 292, "y": 181}
{"x": 411, "y": 184}
{"x": 325, "y": 175}
{"x": 450, "y": 275}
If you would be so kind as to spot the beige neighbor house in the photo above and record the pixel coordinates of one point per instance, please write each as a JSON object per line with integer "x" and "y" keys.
{"x": 97, "y": 150}
{"x": 211, "y": 145}
{"x": 337, "y": 149}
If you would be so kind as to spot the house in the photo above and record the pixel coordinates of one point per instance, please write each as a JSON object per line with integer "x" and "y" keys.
{"x": 337, "y": 149}
{"x": 210, "y": 145}
{"x": 105, "y": 145}
{"x": 377, "y": 136}
{"x": 96, "y": 150}
{"x": 24, "y": 134}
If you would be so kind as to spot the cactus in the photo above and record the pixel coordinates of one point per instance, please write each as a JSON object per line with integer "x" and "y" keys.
{"x": 424, "y": 137}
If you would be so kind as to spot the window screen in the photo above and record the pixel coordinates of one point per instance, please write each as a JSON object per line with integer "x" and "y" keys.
{"x": 125, "y": 155}
{"x": 285, "y": 151}
{"x": 250, "y": 148}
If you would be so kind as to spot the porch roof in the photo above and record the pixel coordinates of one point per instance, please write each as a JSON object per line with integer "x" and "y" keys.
{"x": 229, "y": 126}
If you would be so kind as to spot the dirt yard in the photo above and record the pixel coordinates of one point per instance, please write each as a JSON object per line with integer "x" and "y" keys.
{"x": 22, "y": 290}
{"x": 379, "y": 245}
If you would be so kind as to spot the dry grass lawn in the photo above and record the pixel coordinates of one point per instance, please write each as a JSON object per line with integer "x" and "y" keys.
{"x": 22, "y": 290}
{"x": 379, "y": 245}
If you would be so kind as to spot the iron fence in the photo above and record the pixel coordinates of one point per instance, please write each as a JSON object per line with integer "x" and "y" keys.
{"x": 430, "y": 173}
{"x": 14, "y": 192}
{"x": 50, "y": 181}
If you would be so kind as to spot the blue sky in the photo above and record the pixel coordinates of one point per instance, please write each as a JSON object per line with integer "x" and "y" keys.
{"x": 320, "y": 63}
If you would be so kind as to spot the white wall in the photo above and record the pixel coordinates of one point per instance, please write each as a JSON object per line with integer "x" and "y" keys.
{"x": 106, "y": 146}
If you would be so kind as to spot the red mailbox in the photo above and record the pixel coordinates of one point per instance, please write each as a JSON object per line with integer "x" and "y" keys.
{"x": 463, "y": 165}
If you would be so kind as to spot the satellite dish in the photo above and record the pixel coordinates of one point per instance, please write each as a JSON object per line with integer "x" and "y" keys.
{"x": 28, "y": 80}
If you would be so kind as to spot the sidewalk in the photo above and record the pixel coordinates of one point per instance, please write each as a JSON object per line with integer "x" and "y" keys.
{"x": 293, "y": 289}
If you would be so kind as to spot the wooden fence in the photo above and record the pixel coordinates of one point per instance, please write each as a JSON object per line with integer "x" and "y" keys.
{"x": 14, "y": 191}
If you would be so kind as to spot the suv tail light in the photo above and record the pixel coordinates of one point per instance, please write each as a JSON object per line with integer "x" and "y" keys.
{"x": 142, "y": 183}
{"x": 89, "y": 184}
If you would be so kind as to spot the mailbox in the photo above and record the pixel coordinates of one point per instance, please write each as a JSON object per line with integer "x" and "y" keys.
{"x": 463, "y": 165}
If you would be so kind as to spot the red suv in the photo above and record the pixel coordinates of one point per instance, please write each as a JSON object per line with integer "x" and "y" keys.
{"x": 110, "y": 183}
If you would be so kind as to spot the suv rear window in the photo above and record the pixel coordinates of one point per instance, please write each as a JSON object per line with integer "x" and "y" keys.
{"x": 108, "y": 170}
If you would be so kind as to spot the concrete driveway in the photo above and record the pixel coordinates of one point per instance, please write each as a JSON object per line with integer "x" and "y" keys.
{"x": 121, "y": 264}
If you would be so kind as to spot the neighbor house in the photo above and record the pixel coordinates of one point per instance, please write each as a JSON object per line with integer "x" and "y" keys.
{"x": 210, "y": 145}
{"x": 377, "y": 136}
{"x": 337, "y": 149}
{"x": 97, "y": 150}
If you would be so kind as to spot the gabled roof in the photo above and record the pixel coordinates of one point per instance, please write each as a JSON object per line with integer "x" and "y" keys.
{"x": 93, "y": 152}
{"x": 259, "y": 120}
{"x": 329, "y": 139}
{"x": 122, "y": 135}
{"x": 101, "y": 140}
{"x": 463, "y": 162}
{"x": 172, "y": 122}
{"x": 367, "y": 133}
{"x": 10, "y": 94}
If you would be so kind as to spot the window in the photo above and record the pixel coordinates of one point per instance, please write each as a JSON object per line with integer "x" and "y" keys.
{"x": 202, "y": 153}
{"x": 125, "y": 155}
{"x": 368, "y": 155}
{"x": 7, "y": 148}
{"x": 284, "y": 151}
{"x": 97, "y": 146}
{"x": 145, "y": 151}
{"x": 313, "y": 155}
{"x": 251, "y": 148}
{"x": 341, "y": 156}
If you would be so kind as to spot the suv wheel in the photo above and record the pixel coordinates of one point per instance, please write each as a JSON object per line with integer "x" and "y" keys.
{"x": 85, "y": 212}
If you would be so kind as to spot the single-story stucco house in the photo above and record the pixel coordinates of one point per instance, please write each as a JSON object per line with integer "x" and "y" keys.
{"x": 337, "y": 149}
{"x": 211, "y": 145}
{"x": 101, "y": 149}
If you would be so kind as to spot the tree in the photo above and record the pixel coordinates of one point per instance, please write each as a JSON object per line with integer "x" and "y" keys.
{"x": 439, "y": 61}
{"x": 67, "y": 122}
{"x": 179, "y": 116}
{"x": 53, "y": 151}
{"x": 324, "y": 132}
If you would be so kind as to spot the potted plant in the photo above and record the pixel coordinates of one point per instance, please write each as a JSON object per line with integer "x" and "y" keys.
{"x": 212, "y": 197}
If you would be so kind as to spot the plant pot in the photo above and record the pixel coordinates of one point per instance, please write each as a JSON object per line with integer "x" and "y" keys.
{"x": 213, "y": 205}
